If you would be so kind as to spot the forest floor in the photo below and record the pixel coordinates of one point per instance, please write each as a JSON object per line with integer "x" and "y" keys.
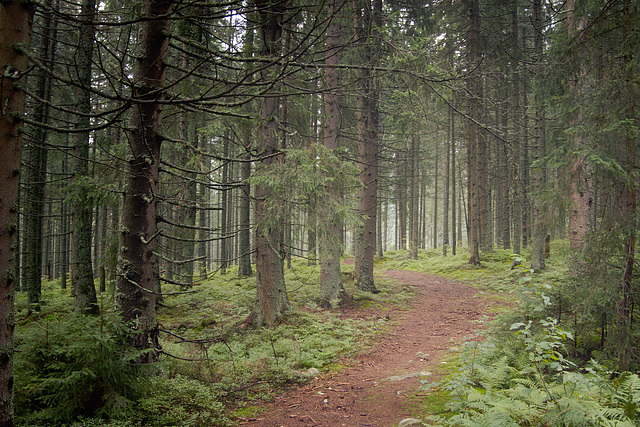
{"x": 380, "y": 386}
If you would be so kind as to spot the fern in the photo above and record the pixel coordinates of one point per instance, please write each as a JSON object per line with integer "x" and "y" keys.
{"x": 548, "y": 390}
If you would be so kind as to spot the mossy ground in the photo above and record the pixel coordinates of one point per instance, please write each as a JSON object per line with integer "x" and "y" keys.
{"x": 226, "y": 371}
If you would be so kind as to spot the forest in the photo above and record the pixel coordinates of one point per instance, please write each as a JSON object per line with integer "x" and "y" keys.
{"x": 191, "y": 190}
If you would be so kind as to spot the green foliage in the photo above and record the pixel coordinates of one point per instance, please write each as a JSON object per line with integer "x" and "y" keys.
{"x": 529, "y": 381}
{"x": 72, "y": 365}
{"x": 316, "y": 177}
{"x": 180, "y": 401}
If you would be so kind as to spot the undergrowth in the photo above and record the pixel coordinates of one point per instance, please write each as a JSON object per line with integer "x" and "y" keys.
{"x": 72, "y": 368}
{"x": 530, "y": 368}
{"x": 537, "y": 364}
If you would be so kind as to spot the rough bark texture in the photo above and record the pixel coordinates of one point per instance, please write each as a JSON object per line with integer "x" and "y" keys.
{"x": 15, "y": 28}
{"x": 270, "y": 285}
{"x": 368, "y": 137}
{"x": 137, "y": 272}
{"x": 330, "y": 248}
{"x": 81, "y": 266}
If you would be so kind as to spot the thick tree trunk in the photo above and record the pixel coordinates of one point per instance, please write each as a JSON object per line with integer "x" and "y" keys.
{"x": 270, "y": 285}
{"x": 81, "y": 264}
{"x": 137, "y": 270}
{"x": 368, "y": 137}
{"x": 580, "y": 182}
{"x": 15, "y": 30}
{"x": 330, "y": 247}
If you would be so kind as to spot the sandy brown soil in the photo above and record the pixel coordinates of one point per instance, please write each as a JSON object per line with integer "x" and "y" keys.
{"x": 379, "y": 386}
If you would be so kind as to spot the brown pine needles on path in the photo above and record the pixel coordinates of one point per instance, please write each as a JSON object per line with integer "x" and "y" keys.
{"x": 379, "y": 386}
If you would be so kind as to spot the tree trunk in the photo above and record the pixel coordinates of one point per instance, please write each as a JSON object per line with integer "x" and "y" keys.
{"x": 81, "y": 263}
{"x": 414, "y": 196}
{"x": 454, "y": 235}
{"x": 445, "y": 196}
{"x": 37, "y": 171}
{"x": 516, "y": 182}
{"x": 137, "y": 270}
{"x": 539, "y": 226}
{"x": 330, "y": 248}
{"x": 435, "y": 197}
{"x": 15, "y": 25}
{"x": 580, "y": 183}
{"x": 224, "y": 208}
{"x": 270, "y": 285}
{"x": 625, "y": 337}
{"x": 368, "y": 138}
{"x": 473, "y": 84}
{"x": 401, "y": 199}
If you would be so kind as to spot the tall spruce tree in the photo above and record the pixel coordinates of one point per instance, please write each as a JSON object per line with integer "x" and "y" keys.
{"x": 15, "y": 37}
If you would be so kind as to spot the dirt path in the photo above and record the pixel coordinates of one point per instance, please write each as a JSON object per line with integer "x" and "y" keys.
{"x": 380, "y": 385}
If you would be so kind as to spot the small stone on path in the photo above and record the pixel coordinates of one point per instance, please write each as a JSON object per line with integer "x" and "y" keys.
{"x": 410, "y": 422}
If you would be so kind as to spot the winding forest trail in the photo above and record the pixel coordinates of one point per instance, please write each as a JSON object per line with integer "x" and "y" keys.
{"x": 380, "y": 385}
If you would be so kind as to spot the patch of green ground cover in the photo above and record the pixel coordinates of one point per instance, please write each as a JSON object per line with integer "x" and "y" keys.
{"x": 254, "y": 363}
{"x": 525, "y": 291}
{"x": 211, "y": 369}
{"x": 523, "y": 372}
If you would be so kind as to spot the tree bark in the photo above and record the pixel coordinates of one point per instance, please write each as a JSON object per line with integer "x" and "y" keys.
{"x": 414, "y": 196}
{"x": 244, "y": 234}
{"x": 539, "y": 226}
{"x": 580, "y": 183}
{"x": 435, "y": 197}
{"x": 517, "y": 176}
{"x": 473, "y": 85}
{"x": 81, "y": 264}
{"x": 37, "y": 171}
{"x": 137, "y": 270}
{"x": 15, "y": 36}
{"x": 625, "y": 346}
{"x": 368, "y": 138}
{"x": 330, "y": 247}
{"x": 447, "y": 184}
{"x": 454, "y": 235}
{"x": 270, "y": 285}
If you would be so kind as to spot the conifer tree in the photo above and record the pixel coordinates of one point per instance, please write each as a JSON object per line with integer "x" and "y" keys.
{"x": 270, "y": 286}
{"x": 15, "y": 37}
{"x": 137, "y": 269}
